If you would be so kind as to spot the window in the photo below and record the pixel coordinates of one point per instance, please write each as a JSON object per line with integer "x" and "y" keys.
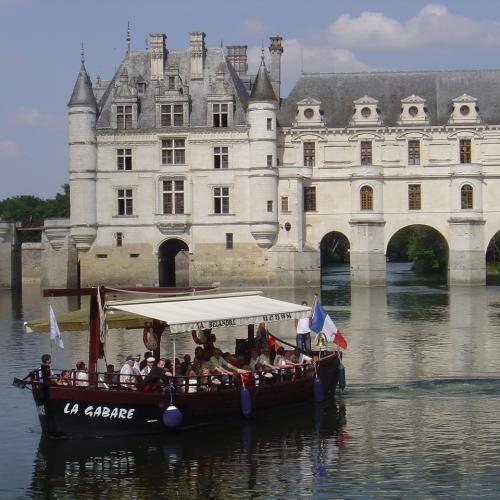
{"x": 414, "y": 197}
{"x": 366, "y": 152}
{"x": 413, "y": 152}
{"x": 119, "y": 239}
{"x": 309, "y": 199}
{"x": 141, "y": 87}
{"x": 124, "y": 159}
{"x": 219, "y": 114}
{"x": 172, "y": 115}
{"x": 284, "y": 203}
{"x": 269, "y": 160}
{"x": 466, "y": 196}
{"x": 269, "y": 124}
{"x": 366, "y": 198}
{"x": 173, "y": 197}
{"x": 309, "y": 154}
{"x": 173, "y": 151}
{"x": 171, "y": 83}
{"x": 229, "y": 241}
{"x": 221, "y": 200}
{"x": 221, "y": 157}
{"x": 269, "y": 205}
{"x": 124, "y": 117}
{"x": 465, "y": 151}
{"x": 125, "y": 202}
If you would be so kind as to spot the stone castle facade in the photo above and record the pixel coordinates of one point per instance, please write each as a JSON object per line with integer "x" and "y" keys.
{"x": 186, "y": 169}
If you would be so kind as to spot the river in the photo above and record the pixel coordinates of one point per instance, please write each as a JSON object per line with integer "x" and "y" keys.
{"x": 420, "y": 416}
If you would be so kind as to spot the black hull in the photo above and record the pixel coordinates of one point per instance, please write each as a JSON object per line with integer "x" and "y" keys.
{"x": 87, "y": 412}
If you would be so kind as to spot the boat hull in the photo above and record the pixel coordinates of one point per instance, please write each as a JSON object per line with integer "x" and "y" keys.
{"x": 91, "y": 412}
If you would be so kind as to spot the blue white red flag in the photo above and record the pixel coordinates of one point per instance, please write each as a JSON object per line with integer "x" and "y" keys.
{"x": 322, "y": 322}
{"x": 55, "y": 334}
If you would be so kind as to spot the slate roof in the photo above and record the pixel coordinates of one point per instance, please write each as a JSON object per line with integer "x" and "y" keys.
{"x": 337, "y": 91}
{"x": 262, "y": 89}
{"x": 82, "y": 92}
{"x": 137, "y": 65}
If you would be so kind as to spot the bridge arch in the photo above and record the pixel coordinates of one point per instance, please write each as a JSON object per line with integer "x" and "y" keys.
{"x": 173, "y": 262}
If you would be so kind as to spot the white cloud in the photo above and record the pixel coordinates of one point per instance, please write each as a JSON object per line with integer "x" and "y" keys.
{"x": 251, "y": 27}
{"x": 33, "y": 117}
{"x": 433, "y": 26}
{"x": 9, "y": 148}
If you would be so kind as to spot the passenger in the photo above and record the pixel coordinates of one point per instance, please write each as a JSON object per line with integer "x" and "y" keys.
{"x": 198, "y": 359}
{"x": 137, "y": 365}
{"x": 110, "y": 377}
{"x": 261, "y": 336}
{"x": 253, "y": 359}
{"x": 150, "y": 362}
{"x": 186, "y": 365}
{"x": 218, "y": 365}
{"x": 45, "y": 373}
{"x": 263, "y": 358}
{"x": 65, "y": 378}
{"x": 303, "y": 329}
{"x": 81, "y": 375}
{"x": 127, "y": 375}
{"x": 144, "y": 362}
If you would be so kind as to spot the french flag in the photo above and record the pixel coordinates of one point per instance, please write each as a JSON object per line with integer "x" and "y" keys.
{"x": 321, "y": 322}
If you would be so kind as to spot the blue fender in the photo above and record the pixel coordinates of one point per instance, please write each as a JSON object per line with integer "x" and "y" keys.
{"x": 341, "y": 377}
{"x": 172, "y": 417}
{"x": 246, "y": 402}
{"x": 319, "y": 394}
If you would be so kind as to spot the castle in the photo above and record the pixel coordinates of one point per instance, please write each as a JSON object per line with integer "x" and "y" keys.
{"x": 186, "y": 169}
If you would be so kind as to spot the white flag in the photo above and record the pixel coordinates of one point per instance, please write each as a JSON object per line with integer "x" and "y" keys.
{"x": 55, "y": 334}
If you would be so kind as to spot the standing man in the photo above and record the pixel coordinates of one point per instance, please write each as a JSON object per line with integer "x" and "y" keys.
{"x": 303, "y": 330}
{"x": 45, "y": 373}
{"x": 127, "y": 374}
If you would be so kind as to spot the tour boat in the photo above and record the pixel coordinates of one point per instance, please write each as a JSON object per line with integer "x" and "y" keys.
{"x": 99, "y": 409}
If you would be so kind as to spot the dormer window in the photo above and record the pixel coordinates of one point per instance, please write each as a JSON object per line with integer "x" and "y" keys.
{"x": 309, "y": 113}
{"x": 124, "y": 103}
{"x": 220, "y": 113}
{"x": 366, "y": 112}
{"x": 413, "y": 111}
{"x": 171, "y": 83}
{"x": 172, "y": 115}
{"x": 465, "y": 110}
{"x": 123, "y": 117}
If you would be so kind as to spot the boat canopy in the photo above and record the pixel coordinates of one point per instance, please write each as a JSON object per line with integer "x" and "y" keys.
{"x": 184, "y": 314}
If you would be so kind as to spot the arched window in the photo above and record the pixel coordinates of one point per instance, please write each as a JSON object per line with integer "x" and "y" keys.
{"x": 466, "y": 196}
{"x": 366, "y": 195}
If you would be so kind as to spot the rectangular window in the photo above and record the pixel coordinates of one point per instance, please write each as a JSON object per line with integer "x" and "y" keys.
{"x": 414, "y": 197}
{"x": 220, "y": 115}
{"x": 309, "y": 199}
{"x": 141, "y": 87}
{"x": 270, "y": 205}
{"x": 309, "y": 154}
{"x": 269, "y": 124}
{"x": 171, "y": 83}
{"x": 284, "y": 203}
{"x": 123, "y": 117}
{"x": 173, "y": 152}
{"x": 366, "y": 152}
{"x": 465, "y": 151}
{"x": 229, "y": 241}
{"x": 173, "y": 197}
{"x": 119, "y": 239}
{"x": 124, "y": 159}
{"x": 269, "y": 160}
{"x": 125, "y": 202}
{"x": 413, "y": 152}
{"x": 221, "y": 200}
{"x": 172, "y": 115}
{"x": 221, "y": 157}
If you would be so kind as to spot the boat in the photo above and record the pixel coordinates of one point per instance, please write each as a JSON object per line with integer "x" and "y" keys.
{"x": 98, "y": 409}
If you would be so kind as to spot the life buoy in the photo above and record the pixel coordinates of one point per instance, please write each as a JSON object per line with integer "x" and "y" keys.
{"x": 149, "y": 337}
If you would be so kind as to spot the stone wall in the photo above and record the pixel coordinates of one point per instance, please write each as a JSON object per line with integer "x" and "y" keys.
{"x": 31, "y": 256}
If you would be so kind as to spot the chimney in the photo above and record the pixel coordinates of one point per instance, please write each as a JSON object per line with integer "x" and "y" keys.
{"x": 276, "y": 49}
{"x": 237, "y": 56}
{"x": 198, "y": 51}
{"x": 158, "y": 54}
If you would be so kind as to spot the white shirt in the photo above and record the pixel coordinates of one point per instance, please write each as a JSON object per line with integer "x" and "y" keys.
{"x": 263, "y": 359}
{"x": 280, "y": 361}
{"x": 81, "y": 379}
{"x": 303, "y": 358}
{"x": 127, "y": 375}
{"x": 145, "y": 371}
{"x": 303, "y": 326}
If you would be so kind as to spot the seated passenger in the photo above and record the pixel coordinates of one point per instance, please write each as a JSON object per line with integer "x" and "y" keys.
{"x": 81, "y": 375}
{"x": 110, "y": 377}
{"x": 186, "y": 365}
{"x": 144, "y": 362}
{"x": 220, "y": 366}
{"x": 65, "y": 378}
{"x": 263, "y": 358}
{"x": 253, "y": 359}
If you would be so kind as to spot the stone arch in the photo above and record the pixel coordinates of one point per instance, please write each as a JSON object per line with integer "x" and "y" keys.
{"x": 337, "y": 244}
{"x": 173, "y": 263}
{"x": 493, "y": 253}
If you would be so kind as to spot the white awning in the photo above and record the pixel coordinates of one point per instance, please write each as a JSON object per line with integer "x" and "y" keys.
{"x": 217, "y": 311}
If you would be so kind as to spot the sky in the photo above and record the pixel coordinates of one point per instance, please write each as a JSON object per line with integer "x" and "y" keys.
{"x": 40, "y": 54}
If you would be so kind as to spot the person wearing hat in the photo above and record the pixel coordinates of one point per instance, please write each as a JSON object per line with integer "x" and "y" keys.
{"x": 150, "y": 362}
{"x": 127, "y": 375}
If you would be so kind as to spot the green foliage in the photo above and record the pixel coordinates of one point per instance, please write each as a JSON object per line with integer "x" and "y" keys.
{"x": 30, "y": 211}
{"x": 422, "y": 245}
{"x": 334, "y": 249}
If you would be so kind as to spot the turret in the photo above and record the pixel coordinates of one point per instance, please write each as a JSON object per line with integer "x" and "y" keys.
{"x": 82, "y": 110}
{"x": 261, "y": 115}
